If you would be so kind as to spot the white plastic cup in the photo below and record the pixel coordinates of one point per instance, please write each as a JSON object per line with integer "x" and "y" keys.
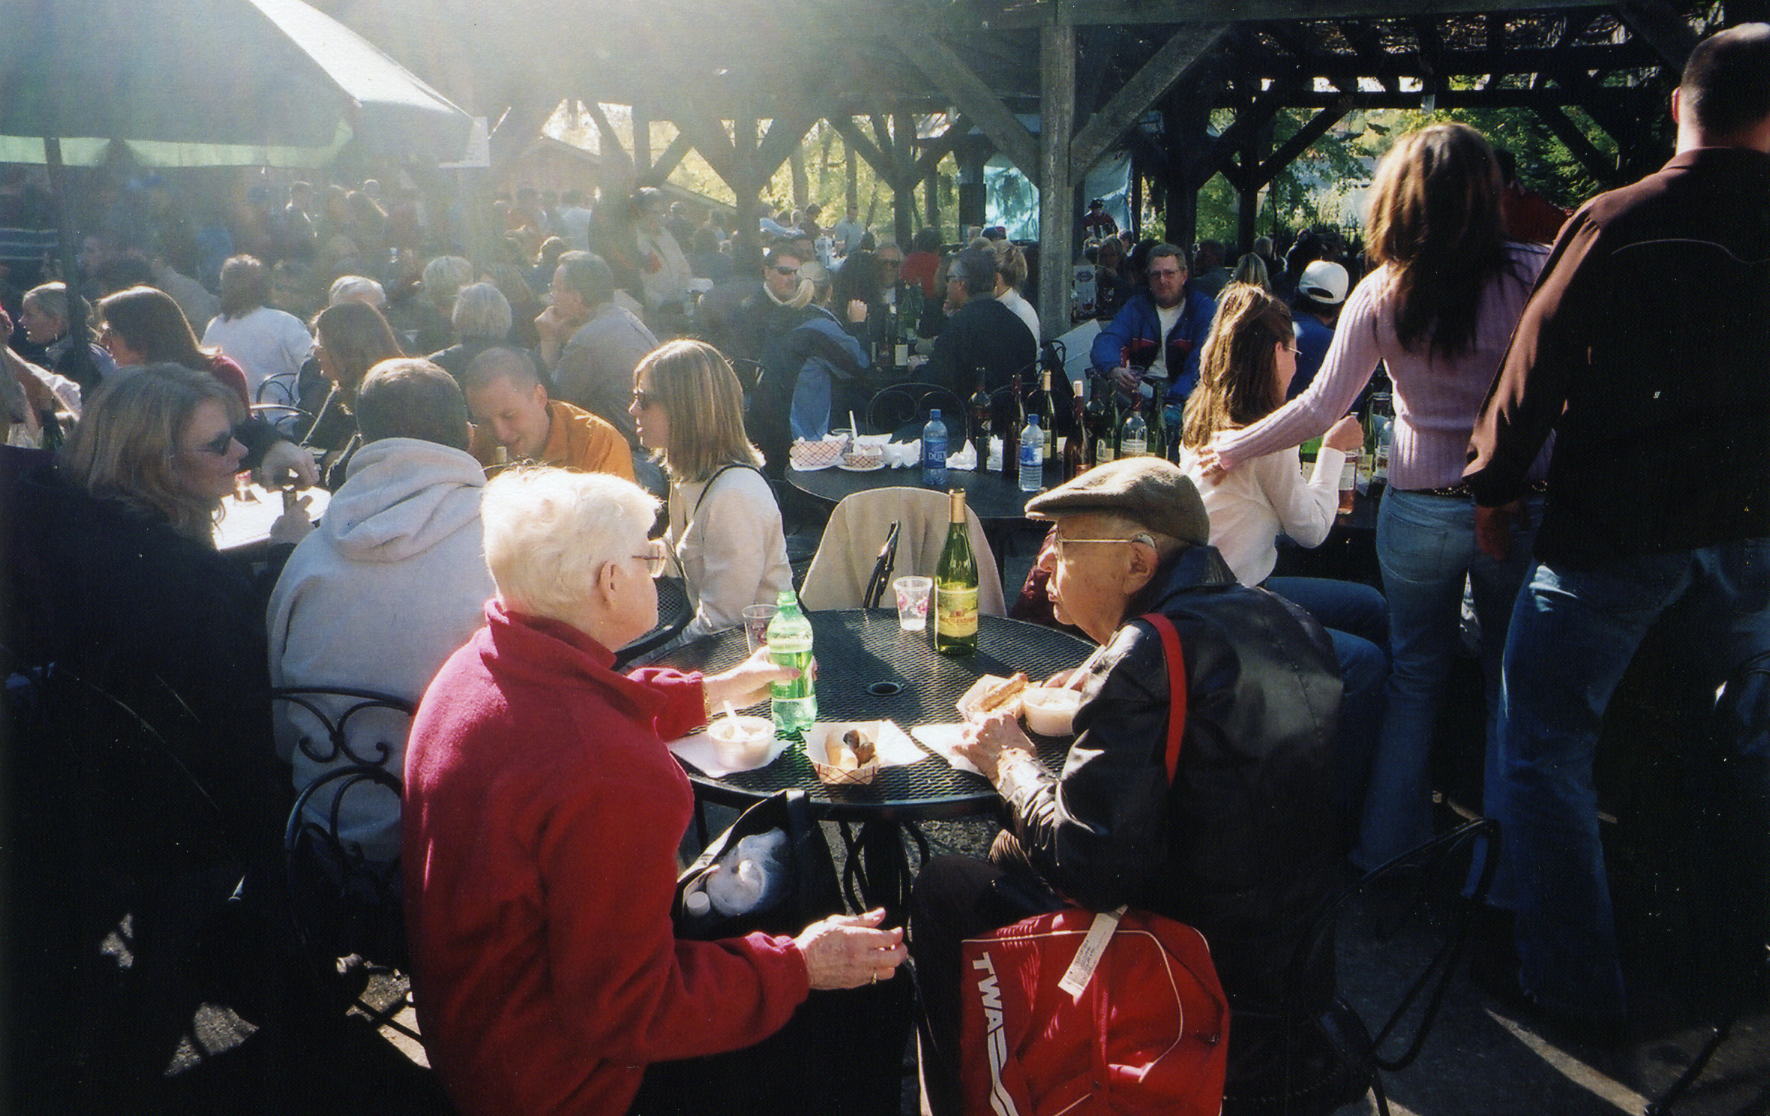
{"x": 912, "y": 602}
{"x": 756, "y": 618}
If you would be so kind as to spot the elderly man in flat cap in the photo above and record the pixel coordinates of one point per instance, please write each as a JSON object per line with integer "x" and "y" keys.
{"x": 1242, "y": 845}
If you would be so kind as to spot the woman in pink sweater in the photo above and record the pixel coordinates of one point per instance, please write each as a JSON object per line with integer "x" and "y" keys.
{"x": 1438, "y": 312}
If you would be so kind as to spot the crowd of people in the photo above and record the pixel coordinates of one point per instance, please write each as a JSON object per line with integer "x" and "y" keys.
{"x": 1579, "y": 469}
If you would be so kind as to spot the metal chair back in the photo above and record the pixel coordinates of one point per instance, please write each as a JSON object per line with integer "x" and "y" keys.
{"x": 343, "y": 900}
{"x": 907, "y": 405}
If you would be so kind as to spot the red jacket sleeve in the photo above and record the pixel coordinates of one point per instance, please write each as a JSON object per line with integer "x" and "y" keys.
{"x": 685, "y": 701}
{"x": 637, "y": 994}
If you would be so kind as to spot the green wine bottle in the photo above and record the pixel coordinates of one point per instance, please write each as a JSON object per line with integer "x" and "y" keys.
{"x": 955, "y": 587}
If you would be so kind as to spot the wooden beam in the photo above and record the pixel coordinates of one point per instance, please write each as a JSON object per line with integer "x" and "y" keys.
{"x": 1152, "y": 80}
{"x": 1057, "y": 104}
{"x": 859, "y": 143}
{"x": 1662, "y": 26}
{"x": 604, "y": 129}
{"x": 1601, "y": 166}
{"x": 784, "y": 135}
{"x": 942, "y": 145}
{"x": 1305, "y": 137}
{"x": 668, "y": 160}
{"x": 709, "y": 138}
{"x": 1220, "y": 11}
{"x": 943, "y": 67}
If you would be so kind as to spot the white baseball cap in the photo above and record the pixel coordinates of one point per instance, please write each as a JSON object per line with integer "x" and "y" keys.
{"x": 1324, "y": 281}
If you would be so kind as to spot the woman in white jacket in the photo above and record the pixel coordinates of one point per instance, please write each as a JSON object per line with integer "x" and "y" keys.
{"x": 1244, "y": 373}
{"x": 725, "y": 527}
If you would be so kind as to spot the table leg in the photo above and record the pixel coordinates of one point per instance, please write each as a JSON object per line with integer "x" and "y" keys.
{"x": 878, "y": 872}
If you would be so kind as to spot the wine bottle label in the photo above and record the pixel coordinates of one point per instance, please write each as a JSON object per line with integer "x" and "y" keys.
{"x": 955, "y": 612}
{"x": 1104, "y": 454}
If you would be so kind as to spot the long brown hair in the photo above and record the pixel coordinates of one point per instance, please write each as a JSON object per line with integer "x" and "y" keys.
{"x": 1237, "y": 382}
{"x": 358, "y": 338}
{"x": 1435, "y": 221}
{"x": 150, "y": 323}
{"x": 126, "y": 443}
{"x": 705, "y": 405}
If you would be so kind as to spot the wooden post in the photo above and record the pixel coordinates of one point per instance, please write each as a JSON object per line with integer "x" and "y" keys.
{"x": 973, "y": 195}
{"x": 1135, "y": 204}
{"x": 801, "y": 184}
{"x": 1057, "y": 100}
{"x": 641, "y": 144}
{"x": 931, "y": 196}
{"x": 852, "y": 169}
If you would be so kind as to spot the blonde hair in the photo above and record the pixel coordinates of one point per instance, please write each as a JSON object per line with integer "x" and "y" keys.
{"x": 1237, "y": 384}
{"x": 701, "y": 397}
{"x": 1011, "y": 264}
{"x": 52, "y": 299}
{"x": 1251, "y": 269}
{"x": 548, "y": 531}
{"x": 127, "y": 441}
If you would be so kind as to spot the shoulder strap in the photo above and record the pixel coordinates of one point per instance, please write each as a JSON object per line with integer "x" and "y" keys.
{"x": 1170, "y": 637}
{"x": 717, "y": 473}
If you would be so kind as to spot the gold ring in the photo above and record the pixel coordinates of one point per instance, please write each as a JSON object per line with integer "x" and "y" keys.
{"x": 875, "y": 978}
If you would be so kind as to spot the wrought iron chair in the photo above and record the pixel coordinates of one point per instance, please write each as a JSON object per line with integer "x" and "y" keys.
{"x": 283, "y": 389}
{"x": 342, "y": 900}
{"x": 907, "y": 405}
{"x": 1331, "y": 1057}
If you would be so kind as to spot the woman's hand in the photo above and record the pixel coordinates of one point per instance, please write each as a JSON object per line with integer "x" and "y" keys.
{"x": 857, "y": 310}
{"x": 1347, "y": 435}
{"x": 285, "y": 457}
{"x": 1210, "y": 463}
{"x": 293, "y": 525}
{"x": 989, "y": 742}
{"x": 744, "y": 684}
{"x": 847, "y": 951}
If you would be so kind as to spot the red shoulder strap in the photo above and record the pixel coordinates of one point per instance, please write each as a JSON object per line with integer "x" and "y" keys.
{"x": 1170, "y": 636}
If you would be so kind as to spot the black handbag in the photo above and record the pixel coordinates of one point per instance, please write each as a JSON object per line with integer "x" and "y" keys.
{"x": 841, "y": 1051}
{"x": 812, "y": 891}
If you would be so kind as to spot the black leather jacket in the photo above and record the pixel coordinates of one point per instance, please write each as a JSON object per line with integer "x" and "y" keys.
{"x": 1243, "y": 846}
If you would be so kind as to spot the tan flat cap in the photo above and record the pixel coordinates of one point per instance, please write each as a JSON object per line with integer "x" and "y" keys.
{"x": 1146, "y": 490}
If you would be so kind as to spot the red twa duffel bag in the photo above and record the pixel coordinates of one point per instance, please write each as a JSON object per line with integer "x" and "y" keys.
{"x": 1075, "y": 1012}
{"x": 1149, "y": 1031}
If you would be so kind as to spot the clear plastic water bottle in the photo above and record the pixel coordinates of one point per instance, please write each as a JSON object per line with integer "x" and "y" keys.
{"x": 934, "y": 451}
{"x": 794, "y": 704}
{"x": 1032, "y": 448}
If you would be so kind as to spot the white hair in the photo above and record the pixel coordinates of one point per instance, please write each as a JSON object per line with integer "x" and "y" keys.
{"x": 357, "y": 288}
{"x": 549, "y": 531}
{"x": 481, "y": 310}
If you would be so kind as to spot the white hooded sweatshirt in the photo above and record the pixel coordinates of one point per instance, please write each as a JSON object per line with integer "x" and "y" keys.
{"x": 387, "y": 587}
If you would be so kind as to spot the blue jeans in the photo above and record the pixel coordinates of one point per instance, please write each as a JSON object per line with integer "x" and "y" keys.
{"x": 1357, "y": 621}
{"x": 1573, "y": 634}
{"x": 1426, "y": 549}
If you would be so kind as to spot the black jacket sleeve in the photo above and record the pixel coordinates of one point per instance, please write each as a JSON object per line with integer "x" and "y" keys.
{"x": 1098, "y": 833}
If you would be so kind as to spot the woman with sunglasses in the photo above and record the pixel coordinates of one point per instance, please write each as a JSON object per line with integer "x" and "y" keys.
{"x": 163, "y": 783}
{"x": 1245, "y": 369}
{"x": 1437, "y": 311}
{"x": 725, "y": 528}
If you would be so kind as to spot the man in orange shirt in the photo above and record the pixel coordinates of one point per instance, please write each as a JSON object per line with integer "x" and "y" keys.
{"x": 511, "y": 411}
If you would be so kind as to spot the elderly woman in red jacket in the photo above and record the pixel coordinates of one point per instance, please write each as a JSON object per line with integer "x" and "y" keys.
{"x": 542, "y": 817}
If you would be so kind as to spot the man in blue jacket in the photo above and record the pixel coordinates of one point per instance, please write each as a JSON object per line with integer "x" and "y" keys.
{"x": 1159, "y": 331}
